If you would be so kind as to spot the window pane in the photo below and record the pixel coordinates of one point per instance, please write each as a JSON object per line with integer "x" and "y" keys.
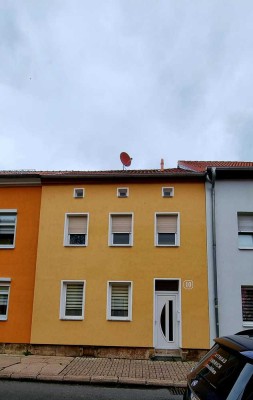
{"x": 76, "y": 239}
{"x": 119, "y": 301}
{"x": 166, "y": 238}
{"x": 245, "y": 240}
{"x": 121, "y": 238}
{"x": 6, "y": 238}
{"x": 74, "y": 299}
{"x": 247, "y": 303}
{"x": 4, "y": 294}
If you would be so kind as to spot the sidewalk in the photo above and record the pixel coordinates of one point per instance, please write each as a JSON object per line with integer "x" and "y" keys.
{"x": 95, "y": 370}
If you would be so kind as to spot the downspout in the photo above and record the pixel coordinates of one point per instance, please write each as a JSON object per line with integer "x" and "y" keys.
{"x": 215, "y": 280}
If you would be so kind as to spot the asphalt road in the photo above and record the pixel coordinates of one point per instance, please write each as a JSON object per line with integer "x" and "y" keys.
{"x": 16, "y": 390}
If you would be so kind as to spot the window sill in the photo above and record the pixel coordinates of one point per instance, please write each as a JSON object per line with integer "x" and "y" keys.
{"x": 167, "y": 245}
{"x": 7, "y": 247}
{"x": 245, "y": 248}
{"x": 120, "y": 245}
{"x": 75, "y": 245}
{"x": 3, "y": 319}
{"x": 119, "y": 319}
{"x": 248, "y": 324}
{"x": 72, "y": 319}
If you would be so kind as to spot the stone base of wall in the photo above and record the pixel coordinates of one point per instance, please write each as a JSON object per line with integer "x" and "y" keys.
{"x": 139, "y": 353}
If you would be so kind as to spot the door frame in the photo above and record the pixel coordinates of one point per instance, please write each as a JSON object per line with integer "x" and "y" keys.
{"x": 179, "y": 309}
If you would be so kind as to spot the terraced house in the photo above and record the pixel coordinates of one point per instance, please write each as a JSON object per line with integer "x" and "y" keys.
{"x": 20, "y": 195}
{"x": 121, "y": 262}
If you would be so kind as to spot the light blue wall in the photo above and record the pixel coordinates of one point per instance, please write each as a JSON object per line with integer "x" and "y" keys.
{"x": 234, "y": 266}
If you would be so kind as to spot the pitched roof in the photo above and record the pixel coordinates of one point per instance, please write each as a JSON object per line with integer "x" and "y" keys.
{"x": 201, "y": 166}
{"x": 119, "y": 173}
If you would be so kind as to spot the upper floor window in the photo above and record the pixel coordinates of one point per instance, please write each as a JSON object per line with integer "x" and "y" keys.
{"x": 4, "y": 298}
{"x": 245, "y": 230}
{"x": 167, "y": 229}
{"x": 76, "y": 230}
{"x": 72, "y": 300}
{"x": 121, "y": 230}
{"x": 78, "y": 193}
{"x": 8, "y": 219}
{"x": 167, "y": 191}
{"x": 123, "y": 192}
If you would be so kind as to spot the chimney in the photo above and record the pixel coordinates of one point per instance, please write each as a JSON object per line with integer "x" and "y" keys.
{"x": 162, "y": 164}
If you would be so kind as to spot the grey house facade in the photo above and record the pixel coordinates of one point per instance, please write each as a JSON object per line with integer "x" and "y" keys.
{"x": 229, "y": 220}
{"x": 229, "y": 205}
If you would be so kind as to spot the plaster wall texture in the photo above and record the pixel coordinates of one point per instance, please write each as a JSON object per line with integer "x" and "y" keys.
{"x": 99, "y": 263}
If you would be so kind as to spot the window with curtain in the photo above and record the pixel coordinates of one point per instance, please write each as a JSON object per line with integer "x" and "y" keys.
{"x": 76, "y": 230}
{"x": 7, "y": 228}
{"x": 245, "y": 230}
{"x": 167, "y": 230}
{"x": 72, "y": 300}
{"x": 247, "y": 305}
{"x": 121, "y": 230}
{"x": 119, "y": 301}
{"x": 4, "y": 300}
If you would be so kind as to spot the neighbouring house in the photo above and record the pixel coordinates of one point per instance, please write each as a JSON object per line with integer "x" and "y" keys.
{"x": 121, "y": 263}
{"x": 229, "y": 209}
{"x": 20, "y": 195}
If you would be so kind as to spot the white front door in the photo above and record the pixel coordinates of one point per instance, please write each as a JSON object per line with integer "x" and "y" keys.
{"x": 166, "y": 321}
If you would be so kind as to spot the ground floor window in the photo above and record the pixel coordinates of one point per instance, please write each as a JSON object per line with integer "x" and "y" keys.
{"x": 4, "y": 299}
{"x": 72, "y": 300}
{"x": 119, "y": 301}
{"x": 247, "y": 305}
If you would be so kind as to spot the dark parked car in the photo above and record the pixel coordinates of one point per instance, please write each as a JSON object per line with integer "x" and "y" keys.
{"x": 226, "y": 372}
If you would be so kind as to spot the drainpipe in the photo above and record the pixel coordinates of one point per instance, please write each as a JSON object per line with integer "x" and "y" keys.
{"x": 216, "y": 300}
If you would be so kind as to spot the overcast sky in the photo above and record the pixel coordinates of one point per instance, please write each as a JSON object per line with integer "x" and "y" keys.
{"x": 83, "y": 80}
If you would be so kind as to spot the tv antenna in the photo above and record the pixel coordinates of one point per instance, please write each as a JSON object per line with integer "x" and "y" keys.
{"x": 125, "y": 159}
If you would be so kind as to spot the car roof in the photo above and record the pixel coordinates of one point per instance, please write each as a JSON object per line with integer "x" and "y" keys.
{"x": 242, "y": 341}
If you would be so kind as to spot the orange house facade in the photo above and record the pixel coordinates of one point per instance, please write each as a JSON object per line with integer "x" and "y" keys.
{"x": 20, "y": 197}
{"x": 121, "y": 263}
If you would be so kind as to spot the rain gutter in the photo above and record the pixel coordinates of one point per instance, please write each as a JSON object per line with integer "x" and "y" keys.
{"x": 214, "y": 251}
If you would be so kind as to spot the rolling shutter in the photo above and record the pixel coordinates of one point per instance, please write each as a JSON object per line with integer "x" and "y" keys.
{"x": 166, "y": 223}
{"x": 77, "y": 224}
{"x": 245, "y": 223}
{"x": 121, "y": 223}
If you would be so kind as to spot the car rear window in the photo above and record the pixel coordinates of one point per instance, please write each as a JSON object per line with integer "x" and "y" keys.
{"x": 221, "y": 372}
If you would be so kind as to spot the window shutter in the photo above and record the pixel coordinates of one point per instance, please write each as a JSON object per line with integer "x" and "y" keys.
{"x": 121, "y": 223}
{"x": 245, "y": 223}
{"x": 166, "y": 223}
{"x": 247, "y": 303}
{"x": 119, "y": 300}
{"x": 74, "y": 299}
{"x": 77, "y": 224}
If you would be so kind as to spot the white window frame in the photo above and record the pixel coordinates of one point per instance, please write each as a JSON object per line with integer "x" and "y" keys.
{"x": 66, "y": 238}
{"x": 131, "y": 234}
{"x": 177, "y": 235}
{"x": 109, "y": 317}
{"x": 245, "y": 233}
{"x": 170, "y": 188}
{"x": 126, "y": 189}
{"x": 75, "y": 193}
{"x": 7, "y": 283}
{"x": 8, "y": 212}
{"x": 63, "y": 315}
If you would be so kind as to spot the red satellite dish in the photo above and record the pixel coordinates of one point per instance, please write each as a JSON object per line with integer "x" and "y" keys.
{"x": 125, "y": 159}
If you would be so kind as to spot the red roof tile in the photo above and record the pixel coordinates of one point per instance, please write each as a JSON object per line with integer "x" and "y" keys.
{"x": 201, "y": 166}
